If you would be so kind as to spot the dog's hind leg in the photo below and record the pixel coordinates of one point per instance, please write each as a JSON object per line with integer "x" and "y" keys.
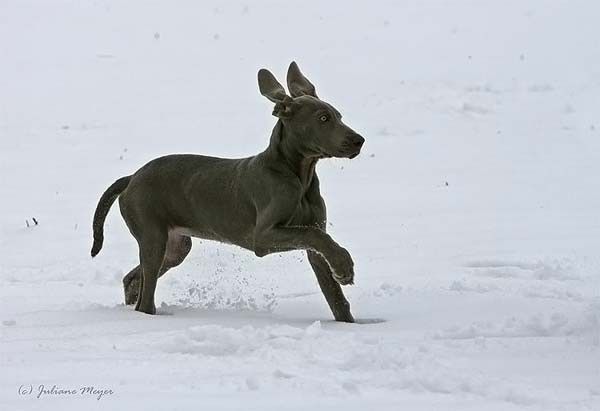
{"x": 131, "y": 284}
{"x": 331, "y": 289}
{"x": 153, "y": 244}
{"x": 178, "y": 247}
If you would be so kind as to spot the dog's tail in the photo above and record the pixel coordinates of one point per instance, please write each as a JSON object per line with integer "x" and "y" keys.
{"x": 107, "y": 199}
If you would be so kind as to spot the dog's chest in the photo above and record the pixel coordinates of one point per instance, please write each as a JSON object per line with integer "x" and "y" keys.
{"x": 309, "y": 213}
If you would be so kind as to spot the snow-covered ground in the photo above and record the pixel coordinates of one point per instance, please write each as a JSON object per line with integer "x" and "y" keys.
{"x": 473, "y": 214}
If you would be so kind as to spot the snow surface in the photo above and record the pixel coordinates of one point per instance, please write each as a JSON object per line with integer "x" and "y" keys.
{"x": 472, "y": 214}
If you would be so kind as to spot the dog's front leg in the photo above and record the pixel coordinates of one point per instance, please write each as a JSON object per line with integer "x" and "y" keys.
{"x": 284, "y": 238}
{"x": 340, "y": 307}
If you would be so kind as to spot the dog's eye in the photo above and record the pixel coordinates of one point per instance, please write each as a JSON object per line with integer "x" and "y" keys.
{"x": 323, "y": 118}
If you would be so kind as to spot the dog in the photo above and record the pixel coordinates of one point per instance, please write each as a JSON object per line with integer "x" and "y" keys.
{"x": 267, "y": 203}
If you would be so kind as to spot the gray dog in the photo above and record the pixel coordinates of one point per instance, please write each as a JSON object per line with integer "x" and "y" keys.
{"x": 266, "y": 204}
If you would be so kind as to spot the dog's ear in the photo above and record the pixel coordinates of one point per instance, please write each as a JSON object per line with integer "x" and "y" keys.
{"x": 274, "y": 91}
{"x": 298, "y": 84}
{"x": 270, "y": 87}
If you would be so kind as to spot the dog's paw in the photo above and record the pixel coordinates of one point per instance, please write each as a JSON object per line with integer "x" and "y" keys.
{"x": 345, "y": 279}
{"x": 131, "y": 292}
{"x": 342, "y": 267}
{"x": 147, "y": 309}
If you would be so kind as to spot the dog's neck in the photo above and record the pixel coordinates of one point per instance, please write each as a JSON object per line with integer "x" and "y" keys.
{"x": 282, "y": 147}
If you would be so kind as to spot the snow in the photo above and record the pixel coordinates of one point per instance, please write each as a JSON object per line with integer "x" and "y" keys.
{"x": 472, "y": 213}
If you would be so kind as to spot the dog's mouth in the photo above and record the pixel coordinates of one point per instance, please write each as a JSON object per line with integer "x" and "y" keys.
{"x": 351, "y": 156}
{"x": 343, "y": 154}
{"x": 350, "y": 152}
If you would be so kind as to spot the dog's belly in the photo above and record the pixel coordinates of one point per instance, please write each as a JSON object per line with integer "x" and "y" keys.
{"x": 245, "y": 242}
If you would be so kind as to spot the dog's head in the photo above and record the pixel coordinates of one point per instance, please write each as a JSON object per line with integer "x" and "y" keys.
{"x": 316, "y": 124}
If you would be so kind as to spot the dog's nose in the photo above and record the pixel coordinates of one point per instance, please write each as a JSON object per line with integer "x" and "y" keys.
{"x": 356, "y": 140}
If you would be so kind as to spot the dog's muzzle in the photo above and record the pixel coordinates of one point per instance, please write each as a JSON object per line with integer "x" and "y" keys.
{"x": 354, "y": 144}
